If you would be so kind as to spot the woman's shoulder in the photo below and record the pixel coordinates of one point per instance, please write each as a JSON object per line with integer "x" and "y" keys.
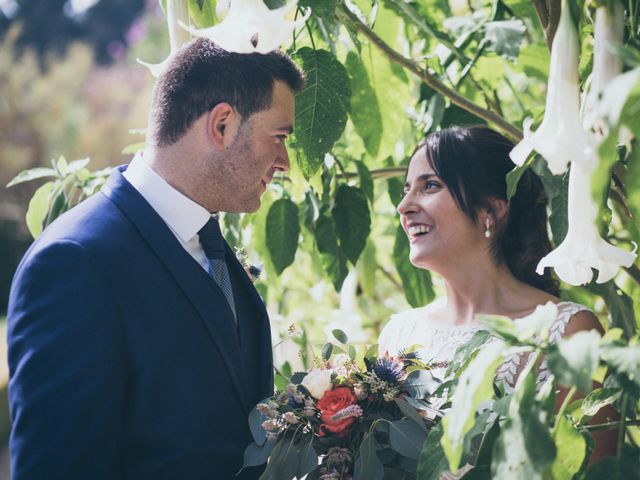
{"x": 418, "y": 313}
{"x": 573, "y": 317}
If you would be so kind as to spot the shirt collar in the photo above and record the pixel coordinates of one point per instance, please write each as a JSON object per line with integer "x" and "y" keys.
{"x": 183, "y": 216}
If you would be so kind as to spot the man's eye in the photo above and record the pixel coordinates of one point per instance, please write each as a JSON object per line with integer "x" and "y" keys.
{"x": 281, "y": 138}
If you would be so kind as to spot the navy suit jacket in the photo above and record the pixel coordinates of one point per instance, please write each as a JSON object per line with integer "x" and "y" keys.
{"x": 125, "y": 360}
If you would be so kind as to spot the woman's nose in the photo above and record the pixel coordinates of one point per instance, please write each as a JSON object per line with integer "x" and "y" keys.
{"x": 406, "y": 205}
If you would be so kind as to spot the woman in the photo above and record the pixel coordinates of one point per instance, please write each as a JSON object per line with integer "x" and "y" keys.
{"x": 460, "y": 225}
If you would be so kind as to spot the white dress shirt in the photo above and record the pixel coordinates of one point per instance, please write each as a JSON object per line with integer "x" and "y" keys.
{"x": 182, "y": 215}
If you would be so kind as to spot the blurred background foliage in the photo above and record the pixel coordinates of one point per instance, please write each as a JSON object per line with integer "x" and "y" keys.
{"x": 396, "y": 71}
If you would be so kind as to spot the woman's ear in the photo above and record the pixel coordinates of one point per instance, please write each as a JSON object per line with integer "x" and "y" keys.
{"x": 498, "y": 208}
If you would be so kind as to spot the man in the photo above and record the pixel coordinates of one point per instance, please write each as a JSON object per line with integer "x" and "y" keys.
{"x": 137, "y": 343}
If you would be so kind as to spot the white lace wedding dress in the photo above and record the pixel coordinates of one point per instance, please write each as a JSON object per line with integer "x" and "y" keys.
{"x": 438, "y": 344}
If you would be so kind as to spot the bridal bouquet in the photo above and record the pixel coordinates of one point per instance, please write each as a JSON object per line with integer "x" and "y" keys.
{"x": 355, "y": 416}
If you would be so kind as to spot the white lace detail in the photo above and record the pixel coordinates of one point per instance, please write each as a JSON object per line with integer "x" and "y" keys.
{"x": 438, "y": 342}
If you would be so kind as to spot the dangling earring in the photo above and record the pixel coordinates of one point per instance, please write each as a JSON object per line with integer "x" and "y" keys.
{"x": 487, "y": 228}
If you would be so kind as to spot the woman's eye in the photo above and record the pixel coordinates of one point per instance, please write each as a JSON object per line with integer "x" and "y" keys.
{"x": 431, "y": 185}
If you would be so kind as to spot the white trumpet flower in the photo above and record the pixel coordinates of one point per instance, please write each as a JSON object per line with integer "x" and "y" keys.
{"x": 560, "y": 137}
{"x": 583, "y": 248}
{"x": 250, "y": 27}
{"x": 177, "y": 12}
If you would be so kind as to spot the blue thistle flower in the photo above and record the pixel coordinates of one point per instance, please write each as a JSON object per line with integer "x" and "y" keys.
{"x": 388, "y": 370}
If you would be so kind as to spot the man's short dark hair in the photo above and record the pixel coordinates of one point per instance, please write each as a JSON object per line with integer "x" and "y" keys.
{"x": 202, "y": 75}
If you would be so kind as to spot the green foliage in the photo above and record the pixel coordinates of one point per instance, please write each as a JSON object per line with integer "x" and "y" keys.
{"x": 321, "y": 107}
{"x": 283, "y": 230}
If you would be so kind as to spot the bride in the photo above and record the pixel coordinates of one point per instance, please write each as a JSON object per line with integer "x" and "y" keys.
{"x": 459, "y": 224}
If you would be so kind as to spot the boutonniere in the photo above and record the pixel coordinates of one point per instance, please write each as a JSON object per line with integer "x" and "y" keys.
{"x": 253, "y": 269}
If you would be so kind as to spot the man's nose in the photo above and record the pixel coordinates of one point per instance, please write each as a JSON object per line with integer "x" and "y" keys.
{"x": 282, "y": 160}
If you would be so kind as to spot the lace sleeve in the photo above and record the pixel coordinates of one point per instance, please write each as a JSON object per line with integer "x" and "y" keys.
{"x": 566, "y": 311}
{"x": 509, "y": 371}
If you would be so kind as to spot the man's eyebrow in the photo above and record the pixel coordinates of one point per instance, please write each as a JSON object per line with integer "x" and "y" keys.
{"x": 424, "y": 177}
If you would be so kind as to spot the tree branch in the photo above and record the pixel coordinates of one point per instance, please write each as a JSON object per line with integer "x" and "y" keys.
{"x": 501, "y": 123}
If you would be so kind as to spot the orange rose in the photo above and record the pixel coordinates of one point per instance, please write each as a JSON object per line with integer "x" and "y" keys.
{"x": 331, "y": 403}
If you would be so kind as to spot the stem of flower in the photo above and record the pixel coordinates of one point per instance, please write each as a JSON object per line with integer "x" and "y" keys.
{"x": 610, "y": 425}
{"x": 622, "y": 425}
{"x": 501, "y": 123}
{"x": 563, "y": 407}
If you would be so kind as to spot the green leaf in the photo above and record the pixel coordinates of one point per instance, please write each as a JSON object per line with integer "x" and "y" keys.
{"x": 620, "y": 307}
{"x": 623, "y": 360}
{"x": 406, "y": 438}
{"x": 576, "y": 359}
{"x": 524, "y": 448}
{"x": 432, "y": 460}
{"x": 513, "y": 177}
{"x": 410, "y": 413}
{"x": 534, "y": 61}
{"x": 366, "y": 182}
{"x": 571, "y": 449}
{"x": 340, "y": 336}
{"x": 504, "y": 37}
{"x": 464, "y": 352}
{"x": 365, "y": 111}
{"x": 333, "y": 259}
{"x": 321, "y": 107}
{"x": 255, "y": 425}
{"x": 559, "y": 219}
{"x": 500, "y": 326}
{"x": 327, "y": 350}
{"x": 282, "y": 230}
{"x": 133, "y": 148}
{"x": 475, "y": 386}
{"x": 308, "y": 459}
{"x": 32, "y": 174}
{"x": 38, "y": 209}
{"x": 598, "y": 398}
{"x": 624, "y": 466}
{"x": 202, "y": 12}
{"x": 255, "y": 454}
{"x": 416, "y": 282}
{"x": 368, "y": 465}
{"x": 283, "y": 463}
{"x": 324, "y": 9}
{"x": 352, "y": 219}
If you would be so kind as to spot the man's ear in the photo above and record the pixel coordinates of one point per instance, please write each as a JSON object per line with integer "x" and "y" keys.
{"x": 222, "y": 125}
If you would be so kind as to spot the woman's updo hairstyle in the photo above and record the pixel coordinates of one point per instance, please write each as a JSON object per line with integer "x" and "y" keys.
{"x": 473, "y": 162}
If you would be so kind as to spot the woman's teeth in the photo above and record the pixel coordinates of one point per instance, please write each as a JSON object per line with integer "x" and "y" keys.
{"x": 419, "y": 230}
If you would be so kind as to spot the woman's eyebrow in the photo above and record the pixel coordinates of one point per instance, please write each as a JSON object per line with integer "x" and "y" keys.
{"x": 423, "y": 177}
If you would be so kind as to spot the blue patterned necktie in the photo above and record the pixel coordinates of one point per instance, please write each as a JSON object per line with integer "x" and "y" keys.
{"x": 213, "y": 246}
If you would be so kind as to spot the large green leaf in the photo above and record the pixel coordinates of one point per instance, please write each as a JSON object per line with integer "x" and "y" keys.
{"x": 576, "y": 359}
{"x": 418, "y": 288}
{"x": 620, "y": 306}
{"x": 406, "y": 438}
{"x": 32, "y": 174}
{"x": 505, "y": 36}
{"x": 432, "y": 460}
{"x": 365, "y": 112}
{"x": 38, "y": 209}
{"x": 571, "y": 449}
{"x": 333, "y": 259}
{"x": 321, "y": 107}
{"x": 475, "y": 386}
{"x": 282, "y": 231}
{"x": 624, "y": 361}
{"x": 352, "y": 219}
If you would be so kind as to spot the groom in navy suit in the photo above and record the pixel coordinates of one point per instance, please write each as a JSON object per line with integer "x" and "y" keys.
{"x": 137, "y": 343}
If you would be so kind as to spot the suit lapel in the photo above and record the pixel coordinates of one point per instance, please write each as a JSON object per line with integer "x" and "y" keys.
{"x": 202, "y": 294}
{"x": 266, "y": 353}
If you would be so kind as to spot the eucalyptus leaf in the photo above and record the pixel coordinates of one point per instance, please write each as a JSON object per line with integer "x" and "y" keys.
{"x": 308, "y": 458}
{"x": 327, "y": 350}
{"x": 368, "y": 466}
{"x": 255, "y": 425}
{"x": 282, "y": 231}
{"x": 340, "y": 336}
{"x": 321, "y": 107}
{"x": 255, "y": 454}
{"x": 407, "y": 438}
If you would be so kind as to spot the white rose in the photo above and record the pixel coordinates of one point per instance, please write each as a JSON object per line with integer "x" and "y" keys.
{"x": 317, "y": 381}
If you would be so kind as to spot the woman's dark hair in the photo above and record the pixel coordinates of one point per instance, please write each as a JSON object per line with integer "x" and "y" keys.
{"x": 202, "y": 75}
{"x": 473, "y": 162}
